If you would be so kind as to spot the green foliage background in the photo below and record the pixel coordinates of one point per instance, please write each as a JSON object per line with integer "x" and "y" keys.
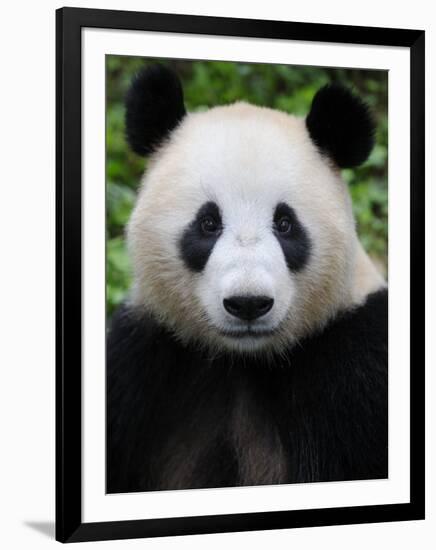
{"x": 210, "y": 83}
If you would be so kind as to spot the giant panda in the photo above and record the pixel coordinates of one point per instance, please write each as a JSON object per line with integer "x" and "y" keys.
{"x": 252, "y": 347}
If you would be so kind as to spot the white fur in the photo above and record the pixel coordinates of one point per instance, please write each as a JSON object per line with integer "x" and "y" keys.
{"x": 247, "y": 159}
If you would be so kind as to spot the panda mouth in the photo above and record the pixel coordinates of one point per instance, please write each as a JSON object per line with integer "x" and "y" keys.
{"x": 247, "y": 333}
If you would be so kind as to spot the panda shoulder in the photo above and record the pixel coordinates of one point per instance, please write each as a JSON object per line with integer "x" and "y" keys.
{"x": 369, "y": 320}
{"x": 135, "y": 343}
{"x": 360, "y": 334}
{"x": 355, "y": 341}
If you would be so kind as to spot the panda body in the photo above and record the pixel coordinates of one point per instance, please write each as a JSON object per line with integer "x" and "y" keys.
{"x": 179, "y": 419}
{"x": 253, "y": 346}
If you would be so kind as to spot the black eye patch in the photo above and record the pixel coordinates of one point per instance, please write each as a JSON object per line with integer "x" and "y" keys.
{"x": 200, "y": 236}
{"x": 295, "y": 241}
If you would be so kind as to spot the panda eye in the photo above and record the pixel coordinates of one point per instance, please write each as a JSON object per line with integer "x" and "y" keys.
{"x": 283, "y": 225}
{"x": 210, "y": 226}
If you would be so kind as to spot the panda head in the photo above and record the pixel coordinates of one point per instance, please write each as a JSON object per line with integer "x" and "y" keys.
{"x": 243, "y": 236}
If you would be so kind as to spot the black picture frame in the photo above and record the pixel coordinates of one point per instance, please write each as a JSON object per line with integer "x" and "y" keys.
{"x": 69, "y": 525}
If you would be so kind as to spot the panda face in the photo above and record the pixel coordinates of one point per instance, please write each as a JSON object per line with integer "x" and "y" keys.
{"x": 243, "y": 235}
{"x": 245, "y": 251}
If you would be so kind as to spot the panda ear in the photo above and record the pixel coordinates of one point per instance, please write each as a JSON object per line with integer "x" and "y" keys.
{"x": 154, "y": 107}
{"x": 341, "y": 126}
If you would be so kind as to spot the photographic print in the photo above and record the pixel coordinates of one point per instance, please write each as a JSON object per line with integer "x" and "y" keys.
{"x": 247, "y": 298}
{"x": 239, "y": 275}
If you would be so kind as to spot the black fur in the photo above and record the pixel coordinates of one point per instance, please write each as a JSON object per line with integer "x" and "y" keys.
{"x": 341, "y": 126}
{"x": 196, "y": 246}
{"x": 295, "y": 245}
{"x": 178, "y": 419}
{"x": 154, "y": 107}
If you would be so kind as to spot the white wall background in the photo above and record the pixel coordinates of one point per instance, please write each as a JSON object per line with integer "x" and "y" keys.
{"x": 27, "y": 210}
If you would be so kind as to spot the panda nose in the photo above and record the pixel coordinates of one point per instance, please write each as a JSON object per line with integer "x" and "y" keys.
{"x": 248, "y": 308}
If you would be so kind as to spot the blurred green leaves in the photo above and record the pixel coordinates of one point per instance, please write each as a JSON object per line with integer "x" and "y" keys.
{"x": 118, "y": 273}
{"x": 210, "y": 83}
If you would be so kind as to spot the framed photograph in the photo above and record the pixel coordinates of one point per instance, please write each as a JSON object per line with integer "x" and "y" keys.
{"x": 240, "y": 275}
